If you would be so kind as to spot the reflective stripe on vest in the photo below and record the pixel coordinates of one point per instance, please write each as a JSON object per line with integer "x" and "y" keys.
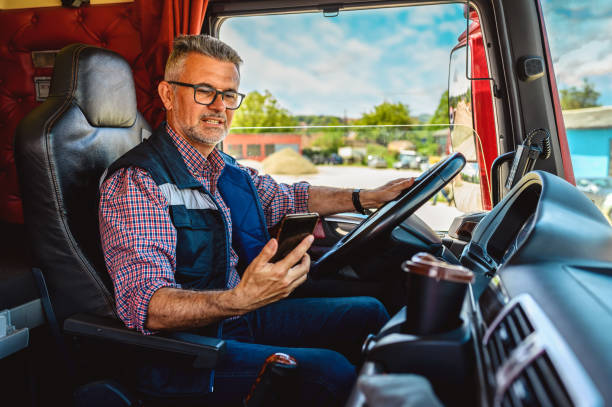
{"x": 190, "y": 198}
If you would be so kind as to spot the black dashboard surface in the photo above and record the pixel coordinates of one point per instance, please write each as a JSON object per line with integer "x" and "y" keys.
{"x": 547, "y": 241}
{"x": 578, "y": 310}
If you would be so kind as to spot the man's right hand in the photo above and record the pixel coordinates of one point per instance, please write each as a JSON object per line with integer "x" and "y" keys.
{"x": 263, "y": 282}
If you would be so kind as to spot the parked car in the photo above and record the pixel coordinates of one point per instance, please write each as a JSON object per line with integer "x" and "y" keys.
{"x": 407, "y": 162}
{"x": 409, "y": 159}
{"x": 334, "y": 159}
{"x": 376, "y": 161}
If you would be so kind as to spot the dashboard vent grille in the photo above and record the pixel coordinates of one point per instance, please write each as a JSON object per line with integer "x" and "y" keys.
{"x": 537, "y": 385}
{"x": 511, "y": 330}
{"x": 527, "y": 362}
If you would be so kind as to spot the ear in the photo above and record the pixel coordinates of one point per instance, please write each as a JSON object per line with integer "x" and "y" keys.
{"x": 166, "y": 93}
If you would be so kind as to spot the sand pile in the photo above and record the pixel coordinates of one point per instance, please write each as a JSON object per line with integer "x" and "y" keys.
{"x": 288, "y": 161}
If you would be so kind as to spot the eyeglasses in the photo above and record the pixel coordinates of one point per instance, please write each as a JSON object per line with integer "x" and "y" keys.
{"x": 205, "y": 95}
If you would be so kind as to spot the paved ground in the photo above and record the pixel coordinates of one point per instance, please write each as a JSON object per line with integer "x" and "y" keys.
{"x": 438, "y": 217}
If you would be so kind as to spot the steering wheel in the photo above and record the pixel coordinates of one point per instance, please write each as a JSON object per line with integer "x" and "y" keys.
{"x": 388, "y": 216}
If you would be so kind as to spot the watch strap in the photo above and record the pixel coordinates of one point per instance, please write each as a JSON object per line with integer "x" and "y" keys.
{"x": 357, "y": 202}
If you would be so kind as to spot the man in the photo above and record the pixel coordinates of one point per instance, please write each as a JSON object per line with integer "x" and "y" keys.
{"x": 184, "y": 233}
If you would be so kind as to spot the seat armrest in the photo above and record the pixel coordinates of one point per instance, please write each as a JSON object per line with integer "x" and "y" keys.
{"x": 207, "y": 351}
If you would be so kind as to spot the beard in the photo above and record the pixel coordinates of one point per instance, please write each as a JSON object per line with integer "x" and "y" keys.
{"x": 208, "y": 135}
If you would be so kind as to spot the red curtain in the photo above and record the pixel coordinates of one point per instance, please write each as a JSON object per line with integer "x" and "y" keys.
{"x": 159, "y": 22}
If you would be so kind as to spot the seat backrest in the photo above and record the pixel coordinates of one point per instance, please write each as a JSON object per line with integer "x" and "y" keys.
{"x": 62, "y": 148}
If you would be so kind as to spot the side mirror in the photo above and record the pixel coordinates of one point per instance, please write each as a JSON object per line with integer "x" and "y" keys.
{"x": 463, "y": 139}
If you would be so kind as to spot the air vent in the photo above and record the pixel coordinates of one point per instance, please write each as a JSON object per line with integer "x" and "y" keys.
{"x": 527, "y": 362}
{"x": 505, "y": 334}
{"x": 538, "y": 385}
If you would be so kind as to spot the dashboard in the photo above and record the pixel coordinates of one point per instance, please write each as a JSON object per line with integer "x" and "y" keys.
{"x": 537, "y": 320}
{"x": 544, "y": 298}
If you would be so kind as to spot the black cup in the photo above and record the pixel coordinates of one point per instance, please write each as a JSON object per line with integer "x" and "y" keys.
{"x": 435, "y": 293}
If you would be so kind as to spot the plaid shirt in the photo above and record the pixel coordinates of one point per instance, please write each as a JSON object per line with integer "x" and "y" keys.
{"x": 139, "y": 239}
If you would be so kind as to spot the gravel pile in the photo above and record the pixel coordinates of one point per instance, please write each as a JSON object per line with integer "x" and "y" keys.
{"x": 288, "y": 161}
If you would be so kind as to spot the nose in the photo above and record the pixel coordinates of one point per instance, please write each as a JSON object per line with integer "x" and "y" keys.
{"x": 218, "y": 104}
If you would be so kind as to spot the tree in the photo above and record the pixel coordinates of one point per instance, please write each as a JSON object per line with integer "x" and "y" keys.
{"x": 262, "y": 110}
{"x": 440, "y": 116}
{"x": 319, "y": 120}
{"x": 329, "y": 141}
{"x": 574, "y": 98}
{"x": 386, "y": 113}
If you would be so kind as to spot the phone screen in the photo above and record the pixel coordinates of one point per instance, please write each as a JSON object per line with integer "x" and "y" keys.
{"x": 294, "y": 228}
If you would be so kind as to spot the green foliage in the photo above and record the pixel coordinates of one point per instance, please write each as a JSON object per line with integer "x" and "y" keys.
{"x": 426, "y": 145}
{"x": 330, "y": 141}
{"x": 319, "y": 120}
{"x": 574, "y": 98}
{"x": 263, "y": 110}
{"x": 386, "y": 113}
{"x": 327, "y": 140}
{"x": 375, "y": 149}
{"x": 440, "y": 116}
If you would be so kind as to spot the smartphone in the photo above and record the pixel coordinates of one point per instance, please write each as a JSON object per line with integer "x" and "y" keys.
{"x": 293, "y": 229}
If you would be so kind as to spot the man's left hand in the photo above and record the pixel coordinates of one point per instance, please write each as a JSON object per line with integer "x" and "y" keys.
{"x": 375, "y": 198}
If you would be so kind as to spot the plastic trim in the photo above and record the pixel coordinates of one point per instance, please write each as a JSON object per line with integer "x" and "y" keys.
{"x": 207, "y": 354}
{"x": 545, "y": 338}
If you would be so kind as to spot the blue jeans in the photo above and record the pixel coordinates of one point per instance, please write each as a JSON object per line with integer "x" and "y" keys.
{"x": 324, "y": 335}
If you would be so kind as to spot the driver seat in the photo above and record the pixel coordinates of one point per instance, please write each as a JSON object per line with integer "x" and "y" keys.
{"x": 62, "y": 148}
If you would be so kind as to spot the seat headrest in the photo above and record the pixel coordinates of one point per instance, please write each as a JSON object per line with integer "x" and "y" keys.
{"x": 108, "y": 102}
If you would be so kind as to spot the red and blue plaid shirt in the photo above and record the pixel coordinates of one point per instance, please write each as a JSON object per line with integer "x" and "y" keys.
{"x": 139, "y": 239}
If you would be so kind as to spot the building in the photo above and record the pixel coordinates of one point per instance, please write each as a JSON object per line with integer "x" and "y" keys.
{"x": 589, "y": 135}
{"x": 257, "y": 146}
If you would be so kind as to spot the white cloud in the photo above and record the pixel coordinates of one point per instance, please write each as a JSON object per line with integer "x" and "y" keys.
{"x": 331, "y": 70}
{"x": 580, "y": 37}
{"x": 453, "y": 27}
{"x": 426, "y": 15}
{"x": 590, "y": 59}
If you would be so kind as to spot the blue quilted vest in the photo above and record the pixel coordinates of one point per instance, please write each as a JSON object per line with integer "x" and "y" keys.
{"x": 203, "y": 246}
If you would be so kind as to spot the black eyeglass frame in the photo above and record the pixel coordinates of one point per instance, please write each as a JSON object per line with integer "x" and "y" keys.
{"x": 217, "y": 93}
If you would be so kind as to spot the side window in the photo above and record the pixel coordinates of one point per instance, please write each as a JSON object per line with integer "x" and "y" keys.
{"x": 466, "y": 187}
{"x": 356, "y": 100}
{"x": 580, "y": 47}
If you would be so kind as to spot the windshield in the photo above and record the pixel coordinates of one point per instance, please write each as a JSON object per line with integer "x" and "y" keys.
{"x": 363, "y": 101}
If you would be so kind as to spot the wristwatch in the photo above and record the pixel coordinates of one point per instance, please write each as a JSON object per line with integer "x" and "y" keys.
{"x": 357, "y": 202}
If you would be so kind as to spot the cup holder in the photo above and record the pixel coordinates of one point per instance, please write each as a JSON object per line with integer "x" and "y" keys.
{"x": 430, "y": 326}
{"x": 429, "y": 336}
{"x": 435, "y": 291}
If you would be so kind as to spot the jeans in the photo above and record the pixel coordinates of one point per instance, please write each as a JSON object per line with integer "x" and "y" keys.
{"x": 324, "y": 335}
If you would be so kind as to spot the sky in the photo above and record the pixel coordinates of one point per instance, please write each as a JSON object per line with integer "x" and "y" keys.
{"x": 346, "y": 65}
{"x": 580, "y": 39}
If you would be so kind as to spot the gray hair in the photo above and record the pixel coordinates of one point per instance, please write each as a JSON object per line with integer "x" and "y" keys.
{"x": 201, "y": 44}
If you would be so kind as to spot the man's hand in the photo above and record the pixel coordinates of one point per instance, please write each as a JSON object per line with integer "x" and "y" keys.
{"x": 328, "y": 200}
{"x": 263, "y": 282}
{"x": 375, "y": 198}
